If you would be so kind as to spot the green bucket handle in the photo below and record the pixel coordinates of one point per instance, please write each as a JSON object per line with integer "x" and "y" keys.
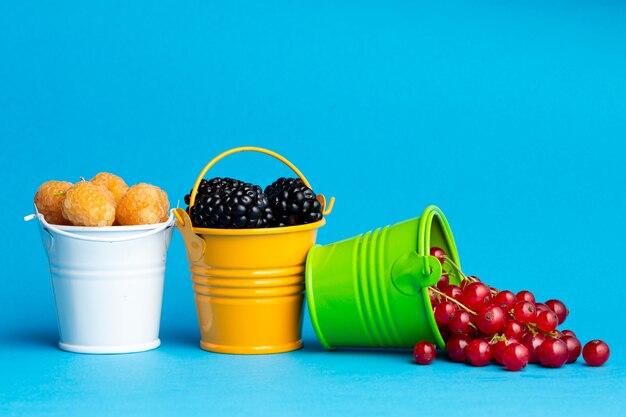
{"x": 412, "y": 272}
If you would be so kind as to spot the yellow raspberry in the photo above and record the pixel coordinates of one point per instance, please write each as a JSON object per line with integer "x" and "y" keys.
{"x": 112, "y": 183}
{"x": 88, "y": 204}
{"x": 49, "y": 201}
{"x": 143, "y": 204}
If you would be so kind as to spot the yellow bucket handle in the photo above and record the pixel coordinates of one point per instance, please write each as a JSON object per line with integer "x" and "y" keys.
{"x": 326, "y": 208}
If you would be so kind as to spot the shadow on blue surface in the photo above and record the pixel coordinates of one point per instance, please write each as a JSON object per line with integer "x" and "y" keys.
{"x": 310, "y": 346}
{"x": 34, "y": 337}
{"x": 181, "y": 337}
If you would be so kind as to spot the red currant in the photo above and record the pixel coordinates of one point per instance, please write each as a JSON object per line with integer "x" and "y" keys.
{"x": 424, "y": 352}
{"x": 438, "y": 253}
{"x": 434, "y": 299}
{"x": 478, "y": 352}
{"x": 596, "y": 353}
{"x": 515, "y": 357}
{"x": 453, "y": 291}
{"x": 470, "y": 279}
{"x": 547, "y": 321}
{"x": 568, "y": 333}
{"x": 497, "y": 350}
{"x": 532, "y": 342}
{"x": 552, "y": 353}
{"x": 490, "y": 319}
{"x": 456, "y": 346}
{"x": 559, "y": 309}
{"x": 513, "y": 330}
{"x": 573, "y": 348}
{"x": 479, "y": 323}
{"x": 476, "y": 295}
{"x": 444, "y": 312}
{"x": 524, "y": 312}
{"x": 525, "y": 295}
{"x": 460, "y": 323}
{"x": 505, "y": 300}
{"x": 443, "y": 281}
{"x": 445, "y": 333}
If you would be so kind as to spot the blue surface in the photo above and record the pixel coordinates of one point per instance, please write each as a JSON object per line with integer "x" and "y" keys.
{"x": 511, "y": 116}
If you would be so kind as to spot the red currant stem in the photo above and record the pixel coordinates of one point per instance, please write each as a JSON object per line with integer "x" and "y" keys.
{"x": 464, "y": 277}
{"x": 532, "y": 327}
{"x": 498, "y": 337}
{"x": 447, "y": 297}
{"x": 449, "y": 260}
{"x": 551, "y": 334}
{"x": 436, "y": 295}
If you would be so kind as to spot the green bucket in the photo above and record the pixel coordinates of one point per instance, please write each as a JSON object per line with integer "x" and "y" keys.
{"x": 370, "y": 290}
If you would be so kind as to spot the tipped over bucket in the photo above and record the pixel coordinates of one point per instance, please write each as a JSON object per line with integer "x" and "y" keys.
{"x": 248, "y": 283}
{"x": 108, "y": 284}
{"x": 371, "y": 290}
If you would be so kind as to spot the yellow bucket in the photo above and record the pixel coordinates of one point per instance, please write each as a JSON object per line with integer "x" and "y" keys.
{"x": 249, "y": 283}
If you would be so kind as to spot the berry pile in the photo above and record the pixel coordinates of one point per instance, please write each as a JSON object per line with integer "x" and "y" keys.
{"x": 293, "y": 202}
{"x": 105, "y": 200}
{"x": 228, "y": 203}
{"x": 240, "y": 206}
{"x": 481, "y": 324}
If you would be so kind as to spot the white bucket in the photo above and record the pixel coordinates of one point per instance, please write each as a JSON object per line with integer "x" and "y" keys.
{"x": 108, "y": 284}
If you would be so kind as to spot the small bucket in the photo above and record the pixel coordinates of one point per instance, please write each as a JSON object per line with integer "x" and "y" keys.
{"x": 370, "y": 290}
{"x": 108, "y": 284}
{"x": 248, "y": 283}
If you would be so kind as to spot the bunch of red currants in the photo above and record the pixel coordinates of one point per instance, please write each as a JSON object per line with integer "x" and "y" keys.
{"x": 480, "y": 324}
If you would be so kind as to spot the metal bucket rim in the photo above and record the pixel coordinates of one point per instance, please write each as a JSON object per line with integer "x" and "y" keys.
{"x": 112, "y": 229}
{"x": 256, "y": 232}
{"x": 103, "y": 233}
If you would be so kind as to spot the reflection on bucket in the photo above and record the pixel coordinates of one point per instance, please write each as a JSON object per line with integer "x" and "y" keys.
{"x": 369, "y": 291}
{"x": 108, "y": 284}
{"x": 248, "y": 283}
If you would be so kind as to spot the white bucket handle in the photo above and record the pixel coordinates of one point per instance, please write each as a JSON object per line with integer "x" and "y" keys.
{"x": 168, "y": 223}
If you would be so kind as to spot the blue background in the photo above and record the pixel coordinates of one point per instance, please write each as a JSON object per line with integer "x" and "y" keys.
{"x": 510, "y": 116}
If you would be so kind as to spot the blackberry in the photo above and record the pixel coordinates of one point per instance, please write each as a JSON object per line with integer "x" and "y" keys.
{"x": 214, "y": 185}
{"x": 241, "y": 207}
{"x": 293, "y": 202}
